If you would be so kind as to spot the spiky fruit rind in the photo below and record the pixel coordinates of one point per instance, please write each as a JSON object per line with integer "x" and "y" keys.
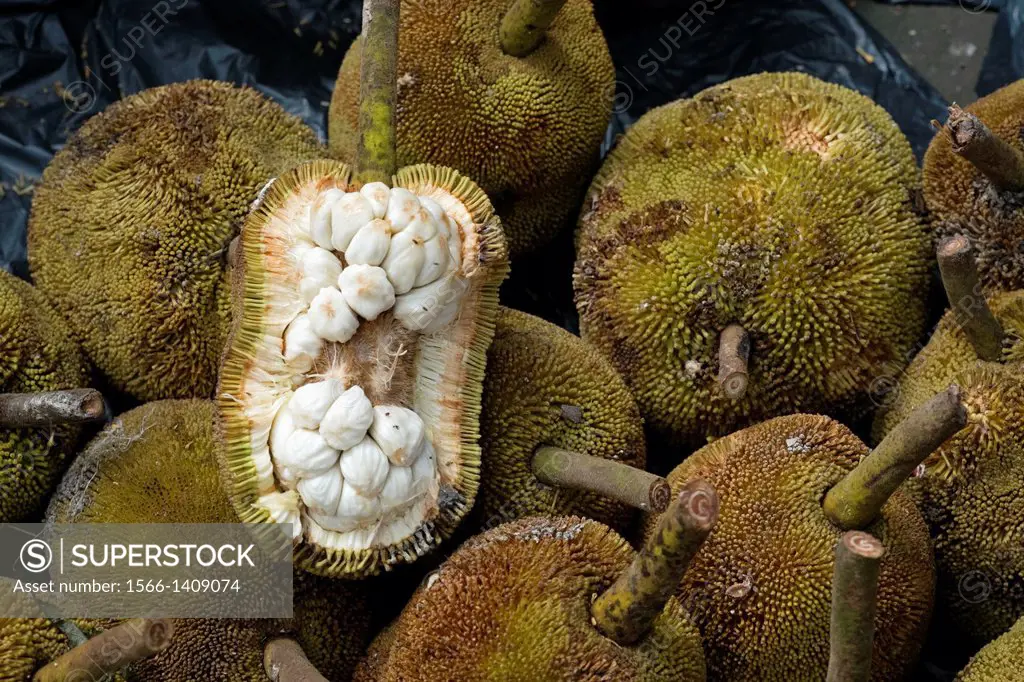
{"x": 131, "y": 223}
{"x": 545, "y": 386}
{"x": 445, "y": 388}
{"x": 1000, "y": 661}
{"x": 528, "y": 130}
{"x": 964, "y": 201}
{"x": 760, "y": 587}
{"x": 946, "y": 355}
{"x": 778, "y": 202}
{"x": 156, "y": 464}
{"x": 37, "y": 353}
{"x": 969, "y": 490}
{"x": 514, "y": 604}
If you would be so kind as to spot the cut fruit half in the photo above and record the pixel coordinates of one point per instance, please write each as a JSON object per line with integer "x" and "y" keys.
{"x": 350, "y": 391}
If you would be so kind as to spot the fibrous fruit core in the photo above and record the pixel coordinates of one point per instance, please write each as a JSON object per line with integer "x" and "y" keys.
{"x": 360, "y": 341}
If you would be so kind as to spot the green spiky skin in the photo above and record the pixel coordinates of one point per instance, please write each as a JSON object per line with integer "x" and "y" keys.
{"x": 759, "y": 589}
{"x": 963, "y": 200}
{"x": 528, "y": 130}
{"x": 513, "y": 604}
{"x": 545, "y": 386}
{"x": 1000, "y": 661}
{"x": 156, "y": 464}
{"x": 970, "y": 489}
{"x": 37, "y": 353}
{"x": 27, "y": 644}
{"x": 778, "y": 202}
{"x": 131, "y": 224}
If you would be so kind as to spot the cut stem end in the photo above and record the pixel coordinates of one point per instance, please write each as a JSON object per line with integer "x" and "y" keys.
{"x": 110, "y": 651}
{"x": 857, "y": 500}
{"x": 854, "y": 601}
{"x": 524, "y": 25}
{"x": 376, "y": 157}
{"x": 1002, "y": 164}
{"x": 733, "y": 356}
{"x": 621, "y": 482}
{"x": 960, "y": 279}
{"x": 30, "y": 410}
{"x": 627, "y": 609}
{"x": 285, "y": 661}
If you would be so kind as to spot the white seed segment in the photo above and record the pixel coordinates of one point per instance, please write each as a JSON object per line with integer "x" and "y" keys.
{"x": 365, "y": 467}
{"x": 320, "y": 268}
{"x": 397, "y": 489}
{"x": 354, "y": 505}
{"x": 349, "y": 215}
{"x": 347, "y": 420}
{"x": 399, "y": 432}
{"x": 307, "y": 453}
{"x": 311, "y": 401}
{"x": 422, "y": 225}
{"x": 435, "y": 260}
{"x": 423, "y": 469}
{"x": 281, "y": 429}
{"x": 370, "y": 244}
{"x": 434, "y": 208}
{"x": 404, "y": 261}
{"x": 430, "y": 308}
{"x": 301, "y": 344}
{"x": 402, "y": 208}
{"x": 320, "y": 218}
{"x": 367, "y": 290}
{"x": 378, "y": 194}
{"x": 330, "y": 316}
{"x": 322, "y": 492}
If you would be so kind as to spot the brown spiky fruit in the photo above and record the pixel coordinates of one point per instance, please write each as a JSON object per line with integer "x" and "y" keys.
{"x": 132, "y": 221}
{"x": 974, "y": 183}
{"x": 157, "y": 464}
{"x": 969, "y": 489}
{"x": 546, "y": 387}
{"x": 759, "y": 588}
{"x": 1000, "y": 661}
{"x": 527, "y": 129}
{"x": 37, "y": 354}
{"x": 538, "y": 598}
{"x": 753, "y": 251}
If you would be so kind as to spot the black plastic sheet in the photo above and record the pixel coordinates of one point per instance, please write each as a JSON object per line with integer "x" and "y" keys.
{"x": 1004, "y": 62}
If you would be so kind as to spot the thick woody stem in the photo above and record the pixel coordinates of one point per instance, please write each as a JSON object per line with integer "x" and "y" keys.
{"x": 960, "y": 279}
{"x": 855, "y": 502}
{"x": 627, "y": 609}
{"x": 629, "y": 485}
{"x": 27, "y": 410}
{"x": 733, "y": 355}
{"x": 524, "y": 25}
{"x": 285, "y": 661}
{"x": 110, "y": 651}
{"x": 854, "y": 599}
{"x": 993, "y": 156}
{"x": 376, "y": 159}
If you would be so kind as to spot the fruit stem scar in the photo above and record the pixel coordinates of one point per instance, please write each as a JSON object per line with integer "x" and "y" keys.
{"x": 285, "y": 661}
{"x": 376, "y": 159}
{"x": 627, "y": 609}
{"x": 993, "y": 156}
{"x": 856, "y": 501}
{"x": 960, "y": 279}
{"x": 74, "y": 406}
{"x": 854, "y": 601}
{"x": 621, "y": 482}
{"x": 733, "y": 356}
{"x": 110, "y": 651}
{"x": 525, "y": 23}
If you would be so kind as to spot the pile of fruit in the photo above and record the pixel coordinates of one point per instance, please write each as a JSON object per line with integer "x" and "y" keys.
{"x": 312, "y": 336}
